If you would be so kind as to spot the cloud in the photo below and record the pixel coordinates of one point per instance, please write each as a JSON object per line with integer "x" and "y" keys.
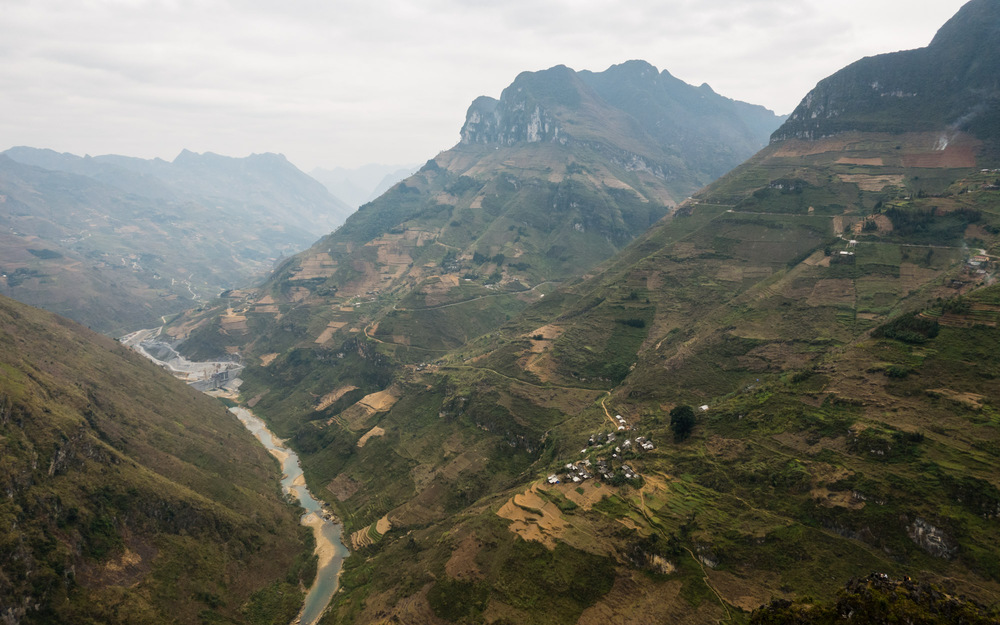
{"x": 350, "y": 82}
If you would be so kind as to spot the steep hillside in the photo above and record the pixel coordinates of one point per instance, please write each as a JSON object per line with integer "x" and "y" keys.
{"x": 116, "y": 242}
{"x": 129, "y": 497}
{"x": 787, "y": 384}
{"x": 949, "y": 85}
{"x": 879, "y": 599}
{"x": 555, "y": 176}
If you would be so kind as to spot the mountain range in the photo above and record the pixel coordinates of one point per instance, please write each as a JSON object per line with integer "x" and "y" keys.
{"x": 785, "y": 380}
{"x": 555, "y": 176}
{"x": 553, "y": 377}
{"x": 116, "y": 242}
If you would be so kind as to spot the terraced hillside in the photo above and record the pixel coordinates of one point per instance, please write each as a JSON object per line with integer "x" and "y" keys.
{"x": 787, "y": 384}
{"x": 129, "y": 497}
{"x": 552, "y": 178}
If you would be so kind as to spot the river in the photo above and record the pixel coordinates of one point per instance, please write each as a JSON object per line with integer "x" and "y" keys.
{"x": 330, "y": 548}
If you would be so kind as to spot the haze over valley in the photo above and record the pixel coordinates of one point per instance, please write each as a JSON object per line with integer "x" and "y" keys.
{"x": 631, "y": 350}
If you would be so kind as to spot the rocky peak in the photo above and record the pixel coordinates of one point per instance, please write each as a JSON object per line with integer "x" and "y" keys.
{"x": 950, "y": 84}
{"x": 525, "y": 112}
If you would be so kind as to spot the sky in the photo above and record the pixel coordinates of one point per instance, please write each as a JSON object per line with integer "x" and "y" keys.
{"x": 344, "y": 83}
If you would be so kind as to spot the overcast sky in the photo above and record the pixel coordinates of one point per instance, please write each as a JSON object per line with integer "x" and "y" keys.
{"x": 349, "y": 82}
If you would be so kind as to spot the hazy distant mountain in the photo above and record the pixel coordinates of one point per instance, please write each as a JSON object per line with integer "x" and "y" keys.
{"x": 363, "y": 184}
{"x": 114, "y": 242}
{"x": 264, "y": 183}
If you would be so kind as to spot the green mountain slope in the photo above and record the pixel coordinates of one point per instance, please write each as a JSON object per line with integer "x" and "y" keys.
{"x": 116, "y": 242}
{"x": 949, "y": 85}
{"x": 557, "y": 175}
{"x": 797, "y": 368}
{"x": 129, "y": 497}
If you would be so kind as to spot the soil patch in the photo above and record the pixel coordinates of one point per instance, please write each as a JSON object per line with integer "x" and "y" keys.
{"x": 956, "y": 154}
{"x": 127, "y": 569}
{"x": 534, "y": 518}
{"x": 746, "y": 593}
{"x": 835, "y": 499}
{"x": 848, "y": 160}
{"x": 298, "y": 293}
{"x": 970, "y": 400}
{"x": 725, "y": 448}
{"x": 797, "y": 147}
{"x": 330, "y": 398}
{"x": 912, "y": 277}
{"x": 873, "y": 182}
{"x": 357, "y": 415}
{"x": 592, "y": 492}
{"x": 234, "y": 324}
{"x": 635, "y": 599}
{"x": 375, "y": 431}
{"x": 775, "y": 356}
{"x": 381, "y": 401}
{"x": 548, "y": 334}
{"x": 835, "y": 292}
{"x": 267, "y": 359}
{"x": 462, "y": 563}
{"x": 343, "y": 487}
{"x": 320, "y": 265}
{"x": 327, "y": 333}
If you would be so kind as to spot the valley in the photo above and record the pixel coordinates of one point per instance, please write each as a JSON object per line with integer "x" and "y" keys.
{"x": 330, "y": 551}
{"x": 630, "y": 351}
{"x": 450, "y": 376}
{"x": 220, "y": 379}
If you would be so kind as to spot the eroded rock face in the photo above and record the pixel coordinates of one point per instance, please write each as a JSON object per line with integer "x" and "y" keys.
{"x": 507, "y": 122}
{"x": 932, "y": 539}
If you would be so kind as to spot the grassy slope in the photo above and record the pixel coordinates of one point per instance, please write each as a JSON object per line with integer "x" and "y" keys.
{"x": 129, "y": 498}
{"x": 745, "y": 289}
{"x": 740, "y": 310}
{"x": 813, "y": 463}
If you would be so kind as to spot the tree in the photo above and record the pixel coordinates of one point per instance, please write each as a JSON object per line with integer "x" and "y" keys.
{"x": 682, "y": 422}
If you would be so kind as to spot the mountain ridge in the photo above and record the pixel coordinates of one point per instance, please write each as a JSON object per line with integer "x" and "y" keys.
{"x": 892, "y": 92}
{"x": 786, "y": 382}
{"x": 117, "y": 242}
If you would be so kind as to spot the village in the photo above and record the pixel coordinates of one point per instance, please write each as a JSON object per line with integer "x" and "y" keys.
{"x": 597, "y": 463}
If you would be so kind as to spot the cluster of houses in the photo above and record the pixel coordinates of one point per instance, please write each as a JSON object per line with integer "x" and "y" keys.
{"x": 583, "y": 470}
{"x": 572, "y": 473}
{"x": 977, "y": 264}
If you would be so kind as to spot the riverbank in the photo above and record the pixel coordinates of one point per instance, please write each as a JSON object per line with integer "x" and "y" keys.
{"x": 327, "y": 531}
{"x": 330, "y": 549}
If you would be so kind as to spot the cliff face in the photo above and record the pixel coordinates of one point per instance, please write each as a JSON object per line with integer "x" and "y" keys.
{"x": 487, "y": 122}
{"x": 526, "y": 110}
{"x": 632, "y": 107}
{"x": 952, "y": 84}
